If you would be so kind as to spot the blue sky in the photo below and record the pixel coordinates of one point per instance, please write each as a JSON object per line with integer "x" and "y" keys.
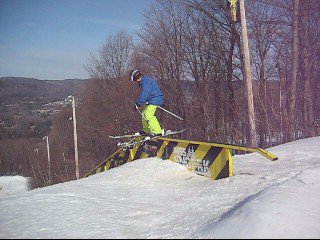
{"x": 52, "y": 39}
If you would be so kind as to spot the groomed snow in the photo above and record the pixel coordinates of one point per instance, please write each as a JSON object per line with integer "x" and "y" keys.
{"x": 154, "y": 198}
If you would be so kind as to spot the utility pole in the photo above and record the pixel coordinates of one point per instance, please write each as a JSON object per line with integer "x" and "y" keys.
{"x": 75, "y": 136}
{"x": 49, "y": 163}
{"x": 253, "y": 141}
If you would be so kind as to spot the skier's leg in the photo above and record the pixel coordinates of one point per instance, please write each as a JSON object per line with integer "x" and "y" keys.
{"x": 153, "y": 123}
{"x": 145, "y": 125}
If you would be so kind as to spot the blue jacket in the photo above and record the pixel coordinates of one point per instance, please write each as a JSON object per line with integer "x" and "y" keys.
{"x": 150, "y": 92}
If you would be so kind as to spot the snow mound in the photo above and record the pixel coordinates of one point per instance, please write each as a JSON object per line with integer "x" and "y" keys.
{"x": 13, "y": 185}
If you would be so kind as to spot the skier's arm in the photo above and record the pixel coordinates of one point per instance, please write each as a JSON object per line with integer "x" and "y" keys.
{"x": 145, "y": 92}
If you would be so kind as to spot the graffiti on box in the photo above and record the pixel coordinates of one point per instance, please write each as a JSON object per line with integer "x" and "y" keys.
{"x": 186, "y": 157}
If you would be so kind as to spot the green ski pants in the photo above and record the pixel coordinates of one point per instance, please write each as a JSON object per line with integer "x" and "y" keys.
{"x": 150, "y": 122}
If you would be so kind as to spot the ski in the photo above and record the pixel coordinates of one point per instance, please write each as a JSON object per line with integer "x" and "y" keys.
{"x": 125, "y": 136}
{"x": 132, "y": 142}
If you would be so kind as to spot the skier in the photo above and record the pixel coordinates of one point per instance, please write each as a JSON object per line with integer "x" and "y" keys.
{"x": 151, "y": 97}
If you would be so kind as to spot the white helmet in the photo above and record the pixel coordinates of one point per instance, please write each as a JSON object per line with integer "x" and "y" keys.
{"x": 134, "y": 75}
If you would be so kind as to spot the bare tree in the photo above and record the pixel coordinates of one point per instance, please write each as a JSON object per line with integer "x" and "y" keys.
{"x": 264, "y": 27}
{"x": 113, "y": 58}
{"x": 161, "y": 52}
{"x": 308, "y": 98}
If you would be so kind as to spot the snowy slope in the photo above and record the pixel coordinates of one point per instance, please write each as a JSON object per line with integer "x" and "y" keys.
{"x": 153, "y": 198}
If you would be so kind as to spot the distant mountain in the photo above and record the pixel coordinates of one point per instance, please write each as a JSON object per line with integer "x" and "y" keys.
{"x": 13, "y": 89}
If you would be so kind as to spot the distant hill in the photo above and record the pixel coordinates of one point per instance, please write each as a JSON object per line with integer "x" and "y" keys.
{"x": 14, "y": 89}
{"x": 27, "y": 105}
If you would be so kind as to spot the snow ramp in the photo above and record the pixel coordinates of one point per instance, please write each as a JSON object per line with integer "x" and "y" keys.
{"x": 211, "y": 160}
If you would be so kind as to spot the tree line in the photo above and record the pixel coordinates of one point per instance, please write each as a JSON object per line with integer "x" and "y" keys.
{"x": 195, "y": 52}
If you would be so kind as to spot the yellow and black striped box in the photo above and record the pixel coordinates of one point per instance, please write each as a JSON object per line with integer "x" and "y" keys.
{"x": 201, "y": 158}
{"x": 211, "y": 160}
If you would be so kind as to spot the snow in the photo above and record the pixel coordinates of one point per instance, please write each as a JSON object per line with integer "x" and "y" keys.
{"x": 12, "y": 185}
{"x": 154, "y": 198}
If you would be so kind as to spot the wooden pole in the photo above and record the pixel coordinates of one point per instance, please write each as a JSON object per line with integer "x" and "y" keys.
{"x": 253, "y": 141}
{"x": 49, "y": 161}
{"x": 75, "y": 137}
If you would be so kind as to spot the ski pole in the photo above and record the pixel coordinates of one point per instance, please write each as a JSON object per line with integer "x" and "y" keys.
{"x": 170, "y": 113}
{"x": 142, "y": 114}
